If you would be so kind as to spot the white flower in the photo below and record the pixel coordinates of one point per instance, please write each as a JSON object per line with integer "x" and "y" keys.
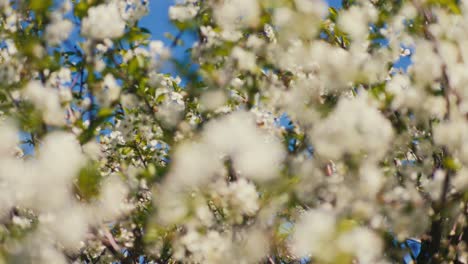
{"x": 427, "y": 65}
{"x": 112, "y": 202}
{"x": 8, "y": 137}
{"x": 65, "y": 95}
{"x": 371, "y": 180}
{"x": 460, "y": 180}
{"x": 434, "y": 186}
{"x": 354, "y": 22}
{"x": 254, "y": 247}
{"x": 133, "y": 10}
{"x": 172, "y": 108}
{"x": 157, "y": 48}
{"x": 103, "y": 21}
{"x": 245, "y": 60}
{"x": 22, "y": 222}
{"x": 243, "y": 196}
{"x": 183, "y": 13}
{"x": 212, "y": 100}
{"x": 60, "y": 167}
{"x": 68, "y": 227}
{"x": 30, "y": 182}
{"x": 58, "y": 30}
{"x": 354, "y": 126}
{"x": 362, "y": 243}
{"x": 9, "y": 73}
{"x": 452, "y": 134}
{"x": 255, "y": 154}
{"x": 44, "y": 252}
{"x": 210, "y": 248}
{"x": 313, "y": 234}
{"x": 92, "y": 150}
{"x": 48, "y": 101}
{"x": 317, "y": 7}
{"x": 113, "y": 88}
{"x": 158, "y": 53}
{"x": 171, "y": 204}
{"x": 232, "y": 13}
{"x": 4, "y": 3}
{"x": 194, "y": 164}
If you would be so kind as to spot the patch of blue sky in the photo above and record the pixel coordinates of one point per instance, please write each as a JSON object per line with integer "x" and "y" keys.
{"x": 414, "y": 247}
{"x": 285, "y": 121}
{"x": 404, "y": 62}
{"x": 26, "y": 143}
{"x": 334, "y": 3}
{"x": 159, "y": 24}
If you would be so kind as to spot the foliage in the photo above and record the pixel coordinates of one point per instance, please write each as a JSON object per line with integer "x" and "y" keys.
{"x": 292, "y": 133}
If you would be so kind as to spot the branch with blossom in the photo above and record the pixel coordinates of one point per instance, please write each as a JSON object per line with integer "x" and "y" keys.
{"x": 292, "y": 133}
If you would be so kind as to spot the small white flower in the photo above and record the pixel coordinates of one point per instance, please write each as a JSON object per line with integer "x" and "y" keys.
{"x": 58, "y": 30}
{"x": 103, "y": 21}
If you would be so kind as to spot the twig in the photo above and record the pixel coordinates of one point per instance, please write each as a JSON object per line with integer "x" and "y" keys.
{"x": 177, "y": 38}
{"x": 111, "y": 240}
{"x": 270, "y": 260}
{"x": 432, "y": 247}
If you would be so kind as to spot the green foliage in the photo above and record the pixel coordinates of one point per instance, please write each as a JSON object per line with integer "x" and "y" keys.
{"x": 87, "y": 184}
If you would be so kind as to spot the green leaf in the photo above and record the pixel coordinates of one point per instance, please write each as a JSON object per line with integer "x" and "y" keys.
{"x": 87, "y": 183}
{"x": 452, "y": 164}
{"x": 133, "y": 66}
{"x": 40, "y": 5}
{"x": 451, "y": 5}
{"x": 105, "y": 112}
{"x": 333, "y": 14}
{"x": 137, "y": 34}
{"x": 81, "y": 9}
{"x": 102, "y": 117}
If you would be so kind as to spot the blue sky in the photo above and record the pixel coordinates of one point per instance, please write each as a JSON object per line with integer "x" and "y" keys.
{"x": 157, "y": 21}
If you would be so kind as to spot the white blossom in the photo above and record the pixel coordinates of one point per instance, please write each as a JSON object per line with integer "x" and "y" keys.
{"x": 313, "y": 233}
{"x": 243, "y": 195}
{"x": 362, "y": 243}
{"x": 183, "y": 12}
{"x": 213, "y": 100}
{"x": 294, "y": 131}
{"x": 354, "y": 126}
{"x": 237, "y": 12}
{"x": 112, "y": 86}
{"x": 112, "y": 203}
{"x": 58, "y": 30}
{"x": 47, "y": 100}
{"x": 245, "y": 60}
{"x": 255, "y": 154}
{"x": 103, "y": 21}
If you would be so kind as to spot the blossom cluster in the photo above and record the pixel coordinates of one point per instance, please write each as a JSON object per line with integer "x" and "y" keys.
{"x": 293, "y": 132}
